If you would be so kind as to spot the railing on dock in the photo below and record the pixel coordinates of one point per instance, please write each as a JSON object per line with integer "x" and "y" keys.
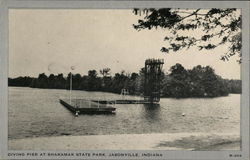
{"x": 86, "y": 103}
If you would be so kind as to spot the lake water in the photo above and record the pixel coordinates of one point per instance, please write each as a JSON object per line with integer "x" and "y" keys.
{"x": 37, "y": 112}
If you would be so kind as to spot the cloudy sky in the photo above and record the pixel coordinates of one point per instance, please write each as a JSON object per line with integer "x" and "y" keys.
{"x": 50, "y": 41}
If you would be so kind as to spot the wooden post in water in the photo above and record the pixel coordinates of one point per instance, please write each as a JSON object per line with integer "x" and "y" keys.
{"x": 72, "y": 68}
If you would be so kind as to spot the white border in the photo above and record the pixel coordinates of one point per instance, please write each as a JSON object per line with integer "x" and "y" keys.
{"x": 201, "y": 155}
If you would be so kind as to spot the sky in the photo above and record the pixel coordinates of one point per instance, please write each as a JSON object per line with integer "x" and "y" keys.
{"x": 52, "y": 40}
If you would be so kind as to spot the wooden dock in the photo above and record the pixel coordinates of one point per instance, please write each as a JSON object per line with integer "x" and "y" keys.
{"x": 83, "y": 106}
{"x": 80, "y": 106}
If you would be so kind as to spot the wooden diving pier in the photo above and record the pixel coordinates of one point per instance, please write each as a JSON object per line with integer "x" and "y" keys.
{"x": 81, "y": 106}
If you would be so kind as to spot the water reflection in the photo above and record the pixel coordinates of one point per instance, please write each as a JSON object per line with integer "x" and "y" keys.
{"x": 152, "y": 111}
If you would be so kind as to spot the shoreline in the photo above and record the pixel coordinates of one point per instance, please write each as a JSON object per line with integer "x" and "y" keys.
{"x": 197, "y": 97}
{"x": 153, "y": 141}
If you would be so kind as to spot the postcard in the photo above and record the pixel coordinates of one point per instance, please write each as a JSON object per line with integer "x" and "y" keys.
{"x": 124, "y": 80}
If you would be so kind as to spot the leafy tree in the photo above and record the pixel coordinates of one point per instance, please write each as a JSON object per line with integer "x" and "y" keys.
{"x": 20, "y": 81}
{"x": 77, "y": 78}
{"x": 178, "y": 82}
{"x": 196, "y": 87}
{"x": 60, "y": 82}
{"x": 197, "y": 82}
{"x": 234, "y": 86}
{"x": 120, "y": 81}
{"x": 51, "y": 81}
{"x": 93, "y": 82}
{"x": 218, "y": 27}
{"x": 107, "y": 84}
{"x": 67, "y": 85}
{"x": 206, "y": 83}
{"x": 178, "y": 71}
{"x": 84, "y": 83}
{"x": 92, "y": 73}
{"x": 42, "y": 81}
{"x": 140, "y": 82}
{"x": 134, "y": 76}
{"x": 132, "y": 83}
{"x": 105, "y": 72}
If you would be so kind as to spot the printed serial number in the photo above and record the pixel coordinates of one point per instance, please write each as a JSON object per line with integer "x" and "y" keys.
{"x": 235, "y": 155}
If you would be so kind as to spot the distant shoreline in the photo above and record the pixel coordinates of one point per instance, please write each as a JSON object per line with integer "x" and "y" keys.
{"x": 128, "y": 95}
{"x": 200, "y": 81}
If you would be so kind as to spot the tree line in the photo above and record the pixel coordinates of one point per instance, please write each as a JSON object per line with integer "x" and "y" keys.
{"x": 179, "y": 82}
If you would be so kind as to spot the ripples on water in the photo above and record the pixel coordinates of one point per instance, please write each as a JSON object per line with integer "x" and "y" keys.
{"x": 37, "y": 112}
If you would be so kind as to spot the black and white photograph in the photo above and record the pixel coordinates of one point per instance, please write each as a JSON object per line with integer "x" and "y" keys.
{"x": 125, "y": 79}
{"x": 139, "y": 79}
